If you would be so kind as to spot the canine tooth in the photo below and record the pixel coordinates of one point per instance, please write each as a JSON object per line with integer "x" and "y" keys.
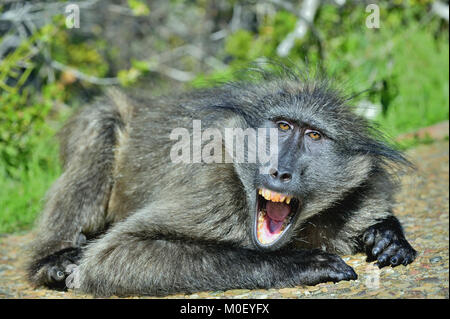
{"x": 288, "y": 200}
{"x": 260, "y": 191}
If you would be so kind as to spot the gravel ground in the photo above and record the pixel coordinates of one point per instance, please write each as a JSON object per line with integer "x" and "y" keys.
{"x": 423, "y": 208}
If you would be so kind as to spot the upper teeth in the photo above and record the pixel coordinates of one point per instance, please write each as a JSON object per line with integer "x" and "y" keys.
{"x": 274, "y": 196}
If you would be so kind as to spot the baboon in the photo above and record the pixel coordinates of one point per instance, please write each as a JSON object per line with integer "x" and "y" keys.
{"x": 125, "y": 219}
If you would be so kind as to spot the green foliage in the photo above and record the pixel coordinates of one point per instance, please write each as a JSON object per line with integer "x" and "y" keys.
{"x": 420, "y": 80}
{"x": 75, "y": 52}
{"x": 28, "y": 153}
{"x": 21, "y": 127}
{"x": 11, "y": 67}
{"x": 21, "y": 196}
{"x": 139, "y": 7}
{"x": 129, "y": 77}
{"x": 402, "y": 67}
{"x": 23, "y": 113}
{"x": 30, "y": 115}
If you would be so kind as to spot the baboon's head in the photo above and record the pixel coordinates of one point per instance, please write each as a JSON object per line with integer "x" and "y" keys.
{"x": 324, "y": 151}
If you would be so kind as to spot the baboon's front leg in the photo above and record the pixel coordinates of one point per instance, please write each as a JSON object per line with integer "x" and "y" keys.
{"x": 131, "y": 259}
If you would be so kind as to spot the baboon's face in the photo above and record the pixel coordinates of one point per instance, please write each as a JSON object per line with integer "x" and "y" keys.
{"x": 314, "y": 169}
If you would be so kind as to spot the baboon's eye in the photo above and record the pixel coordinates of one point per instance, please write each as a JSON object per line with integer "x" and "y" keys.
{"x": 314, "y": 135}
{"x": 284, "y": 126}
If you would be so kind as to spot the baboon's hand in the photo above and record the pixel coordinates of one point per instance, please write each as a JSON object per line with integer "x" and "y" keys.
{"x": 388, "y": 247}
{"x": 325, "y": 267}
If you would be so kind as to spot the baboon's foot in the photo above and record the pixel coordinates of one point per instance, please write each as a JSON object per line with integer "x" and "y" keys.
{"x": 52, "y": 270}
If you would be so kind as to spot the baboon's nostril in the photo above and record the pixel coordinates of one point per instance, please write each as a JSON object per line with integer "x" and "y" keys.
{"x": 286, "y": 177}
{"x": 273, "y": 172}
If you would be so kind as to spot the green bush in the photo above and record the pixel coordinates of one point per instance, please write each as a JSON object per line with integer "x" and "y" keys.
{"x": 402, "y": 66}
{"x": 28, "y": 155}
{"x": 28, "y": 150}
{"x": 21, "y": 196}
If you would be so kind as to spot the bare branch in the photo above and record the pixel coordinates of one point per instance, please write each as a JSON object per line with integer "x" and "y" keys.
{"x": 284, "y": 5}
{"x": 307, "y": 12}
{"x": 441, "y": 9}
{"x": 83, "y": 76}
{"x": 175, "y": 74}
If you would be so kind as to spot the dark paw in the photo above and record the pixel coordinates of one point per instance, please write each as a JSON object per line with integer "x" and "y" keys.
{"x": 54, "y": 269}
{"x": 387, "y": 247}
{"x": 329, "y": 267}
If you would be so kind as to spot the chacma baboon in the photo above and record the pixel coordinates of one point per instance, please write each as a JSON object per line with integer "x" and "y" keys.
{"x": 126, "y": 219}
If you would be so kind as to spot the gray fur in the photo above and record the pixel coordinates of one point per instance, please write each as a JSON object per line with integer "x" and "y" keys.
{"x": 186, "y": 227}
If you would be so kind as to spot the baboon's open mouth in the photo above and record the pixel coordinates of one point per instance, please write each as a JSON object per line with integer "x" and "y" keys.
{"x": 274, "y": 215}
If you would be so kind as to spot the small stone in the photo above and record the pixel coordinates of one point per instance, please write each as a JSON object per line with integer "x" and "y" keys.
{"x": 435, "y": 259}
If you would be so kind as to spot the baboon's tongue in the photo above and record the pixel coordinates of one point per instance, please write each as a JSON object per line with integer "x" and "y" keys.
{"x": 277, "y": 213}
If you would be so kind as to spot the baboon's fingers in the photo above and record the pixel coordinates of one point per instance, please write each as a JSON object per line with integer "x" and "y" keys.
{"x": 369, "y": 237}
{"x": 380, "y": 245}
{"x": 384, "y": 258}
{"x": 397, "y": 253}
{"x": 402, "y": 256}
{"x": 409, "y": 258}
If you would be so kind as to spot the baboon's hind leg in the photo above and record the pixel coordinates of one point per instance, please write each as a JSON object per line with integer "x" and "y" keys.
{"x": 76, "y": 205}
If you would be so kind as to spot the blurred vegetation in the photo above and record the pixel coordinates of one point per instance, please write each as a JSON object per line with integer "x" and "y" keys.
{"x": 48, "y": 70}
{"x": 402, "y": 67}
